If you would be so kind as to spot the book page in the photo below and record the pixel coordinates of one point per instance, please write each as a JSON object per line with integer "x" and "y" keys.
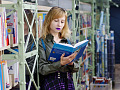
{"x": 80, "y": 43}
{"x": 69, "y": 45}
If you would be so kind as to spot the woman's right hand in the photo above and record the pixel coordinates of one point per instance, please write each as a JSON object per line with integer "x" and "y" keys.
{"x": 68, "y": 59}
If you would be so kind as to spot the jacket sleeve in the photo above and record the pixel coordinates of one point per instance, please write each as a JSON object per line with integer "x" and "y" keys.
{"x": 74, "y": 67}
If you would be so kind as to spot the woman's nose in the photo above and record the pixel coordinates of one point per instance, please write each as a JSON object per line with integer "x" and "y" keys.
{"x": 59, "y": 23}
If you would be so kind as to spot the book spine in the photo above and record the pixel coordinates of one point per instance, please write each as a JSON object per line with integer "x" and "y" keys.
{"x": 1, "y": 84}
{"x": 0, "y": 31}
{"x": 101, "y": 20}
{"x": 102, "y": 45}
{"x": 6, "y": 75}
{"x": 3, "y": 76}
{"x": 106, "y": 60}
{"x": 97, "y": 52}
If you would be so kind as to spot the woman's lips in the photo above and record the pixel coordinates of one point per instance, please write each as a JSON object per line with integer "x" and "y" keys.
{"x": 58, "y": 28}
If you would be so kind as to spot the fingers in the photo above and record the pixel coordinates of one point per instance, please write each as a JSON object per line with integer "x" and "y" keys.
{"x": 61, "y": 59}
{"x": 72, "y": 55}
{"x": 62, "y": 55}
{"x": 68, "y": 59}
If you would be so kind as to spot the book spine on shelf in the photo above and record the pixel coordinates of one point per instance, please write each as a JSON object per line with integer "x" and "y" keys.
{"x": 106, "y": 61}
{"x": 3, "y": 76}
{"x": 12, "y": 25}
{"x": 1, "y": 84}
{"x": 7, "y": 83}
{"x": 102, "y": 58}
{"x": 0, "y": 31}
{"x": 41, "y": 18}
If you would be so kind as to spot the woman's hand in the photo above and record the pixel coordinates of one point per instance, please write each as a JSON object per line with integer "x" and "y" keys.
{"x": 68, "y": 59}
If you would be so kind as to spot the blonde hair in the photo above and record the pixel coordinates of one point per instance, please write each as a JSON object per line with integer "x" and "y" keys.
{"x": 54, "y": 13}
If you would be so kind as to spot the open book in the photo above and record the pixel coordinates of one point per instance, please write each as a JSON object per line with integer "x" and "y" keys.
{"x": 60, "y": 48}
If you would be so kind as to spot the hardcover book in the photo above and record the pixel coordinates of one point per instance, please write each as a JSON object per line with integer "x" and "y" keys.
{"x": 60, "y": 48}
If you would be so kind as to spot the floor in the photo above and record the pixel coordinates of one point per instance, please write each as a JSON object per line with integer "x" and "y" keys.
{"x": 117, "y": 77}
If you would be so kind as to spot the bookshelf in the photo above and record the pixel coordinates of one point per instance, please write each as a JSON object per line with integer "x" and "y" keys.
{"x": 21, "y": 55}
{"x": 79, "y": 33}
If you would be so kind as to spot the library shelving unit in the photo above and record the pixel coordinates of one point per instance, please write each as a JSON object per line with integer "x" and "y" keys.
{"x": 108, "y": 69}
{"x": 76, "y": 30}
{"x": 22, "y": 55}
{"x": 84, "y": 29}
{"x": 96, "y": 7}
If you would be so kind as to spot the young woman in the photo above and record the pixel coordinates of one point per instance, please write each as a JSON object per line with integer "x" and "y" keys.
{"x": 55, "y": 75}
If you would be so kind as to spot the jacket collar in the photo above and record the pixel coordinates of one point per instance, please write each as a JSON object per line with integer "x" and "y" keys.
{"x": 50, "y": 38}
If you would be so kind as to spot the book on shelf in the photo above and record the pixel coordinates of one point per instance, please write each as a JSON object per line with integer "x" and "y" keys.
{"x": 60, "y": 48}
{"x": 3, "y": 28}
{"x": 12, "y": 26}
{"x": 13, "y": 69}
{"x": 1, "y": 84}
{"x": 41, "y": 18}
{"x": 4, "y": 77}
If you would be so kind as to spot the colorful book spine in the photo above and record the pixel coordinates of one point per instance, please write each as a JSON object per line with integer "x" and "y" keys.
{"x": 12, "y": 25}
{"x": 6, "y": 75}
{"x": 69, "y": 19}
{"x": 0, "y": 31}
{"x": 14, "y": 70}
{"x": 1, "y": 84}
{"x": 41, "y": 18}
{"x": 101, "y": 20}
{"x": 3, "y": 76}
{"x": 3, "y": 28}
{"x": 106, "y": 59}
{"x": 97, "y": 52}
{"x": 111, "y": 59}
{"x": 102, "y": 45}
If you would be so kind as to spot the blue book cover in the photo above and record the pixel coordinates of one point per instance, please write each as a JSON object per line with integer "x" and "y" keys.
{"x": 60, "y": 48}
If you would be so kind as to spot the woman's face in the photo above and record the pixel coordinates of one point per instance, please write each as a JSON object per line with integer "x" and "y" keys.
{"x": 57, "y": 25}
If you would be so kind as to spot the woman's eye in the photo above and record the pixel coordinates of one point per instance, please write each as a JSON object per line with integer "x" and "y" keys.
{"x": 56, "y": 20}
{"x": 62, "y": 22}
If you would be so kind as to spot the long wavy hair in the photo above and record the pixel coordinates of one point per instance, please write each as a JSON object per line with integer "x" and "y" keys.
{"x": 55, "y": 13}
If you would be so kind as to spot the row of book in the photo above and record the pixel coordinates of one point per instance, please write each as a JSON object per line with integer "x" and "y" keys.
{"x": 12, "y": 26}
{"x": 101, "y": 83}
{"x": 8, "y": 25}
{"x": 105, "y": 51}
{"x": 85, "y": 70}
{"x": 6, "y": 82}
{"x": 41, "y": 18}
{"x": 84, "y": 21}
{"x": 101, "y": 80}
{"x": 3, "y": 28}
